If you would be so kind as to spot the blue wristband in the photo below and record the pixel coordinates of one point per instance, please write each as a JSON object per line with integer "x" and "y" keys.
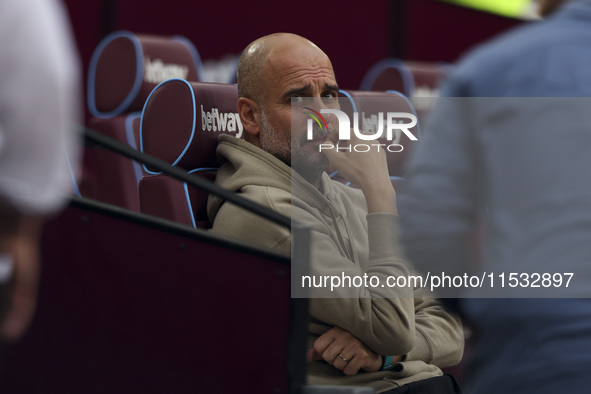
{"x": 387, "y": 363}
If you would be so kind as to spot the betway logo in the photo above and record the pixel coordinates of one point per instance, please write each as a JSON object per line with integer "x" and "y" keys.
{"x": 156, "y": 71}
{"x": 425, "y": 91}
{"x": 420, "y": 98}
{"x": 226, "y": 121}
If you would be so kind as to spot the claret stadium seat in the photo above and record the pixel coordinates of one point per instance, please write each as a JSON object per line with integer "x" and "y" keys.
{"x": 419, "y": 81}
{"x": 124, "y": 69}
{"x": 413, "y": 79}
{"x": 369, "y": 105}
{"x": 181, "y": 122}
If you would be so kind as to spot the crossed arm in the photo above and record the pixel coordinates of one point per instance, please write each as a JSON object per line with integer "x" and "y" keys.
{"x": 437, "y": 336}
{"x": 344, "y": 351}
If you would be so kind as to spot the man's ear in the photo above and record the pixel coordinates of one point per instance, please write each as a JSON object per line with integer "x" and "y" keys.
{"x": 249, "y": 116}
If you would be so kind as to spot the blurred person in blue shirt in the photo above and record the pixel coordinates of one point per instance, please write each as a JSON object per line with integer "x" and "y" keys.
{"x": 511, "y": 159}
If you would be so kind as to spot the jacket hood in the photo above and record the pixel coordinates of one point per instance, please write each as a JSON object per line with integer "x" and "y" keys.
{"x": 244, "y": 165}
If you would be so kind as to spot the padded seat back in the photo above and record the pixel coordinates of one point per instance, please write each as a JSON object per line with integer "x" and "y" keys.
{"x": 108, "y": 176}
{"x": 413, "y": 79}
{"x": 181, "y": 122}
{"x": 124, "y": 69}
{"x": 370, "y": 106}
{"x": 168, "y": 198}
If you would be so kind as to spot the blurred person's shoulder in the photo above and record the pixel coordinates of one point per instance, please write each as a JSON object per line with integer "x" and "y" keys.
{"x": 511, "y": 62}
{"x": 528, "y": 38}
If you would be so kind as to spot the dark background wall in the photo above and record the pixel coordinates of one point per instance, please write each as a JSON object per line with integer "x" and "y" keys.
{"x": 354, "y": 34}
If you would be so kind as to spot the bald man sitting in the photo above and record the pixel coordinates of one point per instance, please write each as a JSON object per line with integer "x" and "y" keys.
{"x": 360, "y": 336}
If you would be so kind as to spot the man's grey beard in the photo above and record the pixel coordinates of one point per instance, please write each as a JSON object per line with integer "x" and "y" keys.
{"x": 311, "y": 168}
{"x": 270, "y": 141}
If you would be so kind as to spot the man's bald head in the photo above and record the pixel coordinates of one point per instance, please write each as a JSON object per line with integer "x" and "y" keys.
{"x": 272, "y": 72}
{"x": 254, "y": 58}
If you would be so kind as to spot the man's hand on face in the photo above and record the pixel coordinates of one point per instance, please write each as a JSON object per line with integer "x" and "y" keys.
{"x": 368, "y": 169}
{"x": 344, "y": 351}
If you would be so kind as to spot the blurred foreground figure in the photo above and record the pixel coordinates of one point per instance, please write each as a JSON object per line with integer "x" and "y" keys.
{"x": 510, "y": 159}
{"x": 39, "y": 102}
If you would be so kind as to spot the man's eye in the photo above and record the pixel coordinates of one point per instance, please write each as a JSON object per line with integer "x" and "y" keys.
{"x": 329, "y": 98}
{"x": 297, "y": 99}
